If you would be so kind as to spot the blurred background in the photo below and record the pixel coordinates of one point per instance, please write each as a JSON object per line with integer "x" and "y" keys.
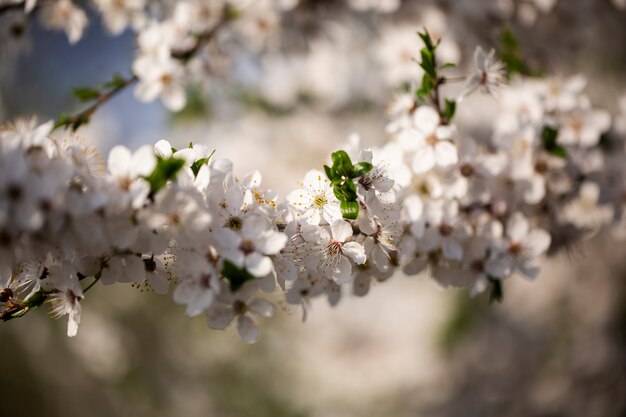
{"x": 554, "y": 347}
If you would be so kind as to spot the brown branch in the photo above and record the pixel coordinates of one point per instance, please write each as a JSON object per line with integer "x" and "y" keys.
{"x": 77, "y": 120}
{"x": 7, "y": 7}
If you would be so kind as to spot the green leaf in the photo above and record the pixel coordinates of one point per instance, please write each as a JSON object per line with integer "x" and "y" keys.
{"x": 345, "y": 191}
{"x": 62, "y": 120}
{"x": 428, "y": 62}
{"x": 116, "y": 82}
{"x": 428, "y": 42}
{"x": 511, "y": 56}
{"x": 165, "y": 170}
{"x": 235, "y": 275}
{"x": 349, "y": 209}
{"x": 426, "y": 88}
{"x": 342, "y": 164}
{"x": 330, "y": 173}
{"x": 449, "y": 110}
{"x": 447, "y": 65}
{"x": 549, "y": 136}
{"x": 86, "y": 93}
{"x": 195, "y": 167}
{"x": 361, "y": 168}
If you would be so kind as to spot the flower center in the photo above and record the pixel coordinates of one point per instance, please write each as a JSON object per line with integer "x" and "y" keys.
{"x": 240, "y": 307}
{"x": 234, "y": 223}
{"x": 334, "y": 248}
{"x": 166, "y": 79}
{"x": 205, "y": 281}
{"x": 173, "y": 218}
{"x": 125, "y": 183}
{"x": 319, "y": 201}
{"x": 247, "y": 247}
{"x": 541, "y": 167}
{"x": 515, "y": 248}
{"x": 445, "y": 229}
{"x": 576, "y": 125}
{"x": 467, "y": 170}
{"x": 432, "y": 139}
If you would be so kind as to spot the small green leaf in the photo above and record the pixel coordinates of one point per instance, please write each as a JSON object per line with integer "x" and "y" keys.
{"x": 342, "y": 164}
{"x": 116, "y": 82}
{"x": 235, "y": 275}
{"x": 86, "y": 93}
{"x": 428, "y": 62}
{"x": 61, "y": 121}
{"x": 195, "y": 167}
{"x": 345, "y": 192}
{"x": 165, "y": 170}
{"x": 361, "y": 168}
{"x": 349, "y": 209}
{"x": 549, "y": 137}
{"x": 449, "y": 110}
{"x": 447, "y": 65}
{"x": 428, "y": 42}
{"x": 330, "y": 173}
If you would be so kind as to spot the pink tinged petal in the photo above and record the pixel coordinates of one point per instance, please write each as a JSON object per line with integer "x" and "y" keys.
{"x": 258, "y": 265}
{"x": 247, "y": 329}
{"x": 423, "y": 159}
{"x": 517, "y": 227}
{"x": 261, "y": 307}
{"x": 354, "y": 251}
{"x": 341, "y": 230}
{"x": 220, "y": 316}
{"x": 445, "y": 154}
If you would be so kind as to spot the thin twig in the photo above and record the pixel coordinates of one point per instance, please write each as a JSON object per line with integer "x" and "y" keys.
{"x": 84, "y": 116}
{"x": 7, "y": 7}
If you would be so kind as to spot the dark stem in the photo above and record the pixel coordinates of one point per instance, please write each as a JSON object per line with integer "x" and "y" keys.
{"x": 84, "y": 116}
{"x": 7, "y": 7}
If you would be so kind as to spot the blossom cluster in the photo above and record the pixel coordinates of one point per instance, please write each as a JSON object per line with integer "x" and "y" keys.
{"x": 474, "y": 211}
